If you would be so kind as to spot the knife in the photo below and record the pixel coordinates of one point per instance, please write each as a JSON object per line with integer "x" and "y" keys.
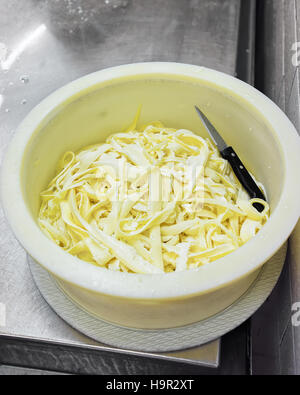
{"x": 238, "y": 167}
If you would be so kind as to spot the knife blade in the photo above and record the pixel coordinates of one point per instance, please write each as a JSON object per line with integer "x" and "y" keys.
{"x": 216, "y": 137}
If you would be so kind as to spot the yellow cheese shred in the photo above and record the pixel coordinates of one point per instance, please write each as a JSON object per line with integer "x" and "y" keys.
{"x": 153, "y": 200}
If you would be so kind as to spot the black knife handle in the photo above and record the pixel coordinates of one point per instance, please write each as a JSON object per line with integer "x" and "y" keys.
{"x": 243, "y": 176}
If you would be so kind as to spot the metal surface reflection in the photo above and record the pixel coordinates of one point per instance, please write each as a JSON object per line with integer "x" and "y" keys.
{"x": 21, "y": 47}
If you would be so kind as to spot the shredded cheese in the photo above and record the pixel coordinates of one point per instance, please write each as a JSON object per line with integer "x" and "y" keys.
{"x": 154, "y": 200}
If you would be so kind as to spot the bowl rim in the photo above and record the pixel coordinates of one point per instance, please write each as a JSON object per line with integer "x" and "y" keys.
{"x": 208, "y": 278}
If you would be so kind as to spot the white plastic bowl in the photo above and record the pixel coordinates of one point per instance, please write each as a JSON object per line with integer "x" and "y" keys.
{"x": 86, "y": 111}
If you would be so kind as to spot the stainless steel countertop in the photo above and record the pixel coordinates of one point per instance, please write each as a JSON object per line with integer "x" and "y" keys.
{"x": 45, "y": 44}
{"x": 275, "y": 339}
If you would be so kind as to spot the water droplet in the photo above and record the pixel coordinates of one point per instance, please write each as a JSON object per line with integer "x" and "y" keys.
{"x": 10, "y": 83}
{"x": 7, "y": 110}
{"x": 106, "y": 2}
{"x": 3, "y": 51}
{"x": 250, "y": 129}
{"x": 24, "y": 79}
{"x": 24, "y": 101}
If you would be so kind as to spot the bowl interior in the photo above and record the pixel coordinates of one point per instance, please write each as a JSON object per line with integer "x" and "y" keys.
{"x": 93, "y": 114}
